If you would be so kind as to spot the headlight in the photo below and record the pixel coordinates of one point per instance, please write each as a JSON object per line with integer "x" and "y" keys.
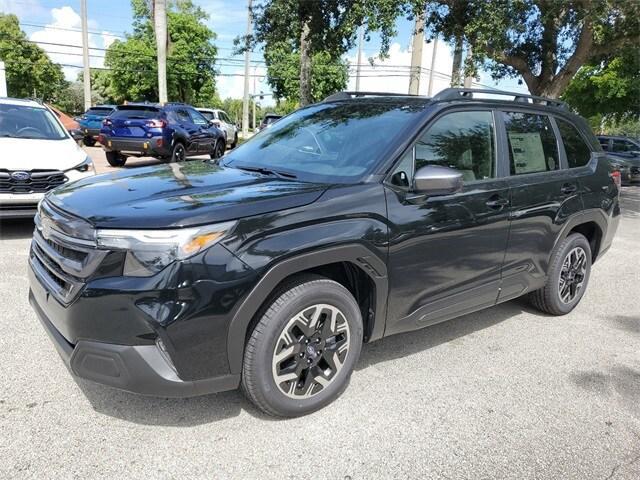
{"x": 85, "y": 166}
{"x": 149, "y": 251}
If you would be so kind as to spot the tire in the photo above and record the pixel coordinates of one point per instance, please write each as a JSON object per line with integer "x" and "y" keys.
{"x": 286, "y": 323}
{"x": 89, "y": 141}
{"x": 116, "y": 159}
{"x": 178, "y": 152}
{"x": 218, "y": 149}
{"x": 235, "y": 141}
{"x": 571, "y": 262}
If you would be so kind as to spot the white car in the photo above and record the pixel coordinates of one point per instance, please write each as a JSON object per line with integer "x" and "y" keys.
{"x": 220, "y": 119}
{"x": 37, "y": 155}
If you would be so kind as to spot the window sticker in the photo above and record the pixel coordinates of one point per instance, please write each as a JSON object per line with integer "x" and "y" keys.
{"x": 528, "y": 152}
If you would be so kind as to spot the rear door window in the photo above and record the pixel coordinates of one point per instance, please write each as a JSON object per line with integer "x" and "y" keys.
{"x": 578, "y": 152}
{"x": 183, "y": 116}
{"x": 532, "y": 144}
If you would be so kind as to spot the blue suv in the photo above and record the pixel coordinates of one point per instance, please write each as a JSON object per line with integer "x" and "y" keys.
{"x": 173, "y": 132}
{"x": 91, "y": 122}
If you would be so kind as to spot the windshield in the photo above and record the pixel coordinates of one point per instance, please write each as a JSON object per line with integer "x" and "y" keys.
{"x": 18, "y": 121}
{"x": 331, "y": 142}
{"x": 101, "y": 112}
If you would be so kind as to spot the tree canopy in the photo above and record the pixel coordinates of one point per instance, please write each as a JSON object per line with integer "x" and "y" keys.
{"x": 544, "y": 41}
{"x": 29, "y": 71}
{"x": 609, "y": 87}
{"x": 191, "y": 56}
{"x": 319, "y": 32}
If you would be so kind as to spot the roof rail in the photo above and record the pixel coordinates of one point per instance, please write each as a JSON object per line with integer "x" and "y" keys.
{"x": 467, "y": 93}
{"x": 350, "y": 94}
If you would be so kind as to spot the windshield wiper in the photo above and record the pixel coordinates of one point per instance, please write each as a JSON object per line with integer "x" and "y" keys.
{"x": 267, "y": 171}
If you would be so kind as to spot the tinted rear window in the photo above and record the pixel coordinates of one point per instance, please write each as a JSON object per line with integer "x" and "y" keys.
{"x": 578, "y": 153}
{"x": 136, "y": 112}
{"x": 99, "y": 111}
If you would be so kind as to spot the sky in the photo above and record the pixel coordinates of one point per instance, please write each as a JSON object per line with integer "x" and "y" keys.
{"x": 58, "y": 22}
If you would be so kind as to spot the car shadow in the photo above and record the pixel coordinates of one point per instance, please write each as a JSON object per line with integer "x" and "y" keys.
{"x": 206, "y": 409}
{"x": 16, "y": 229}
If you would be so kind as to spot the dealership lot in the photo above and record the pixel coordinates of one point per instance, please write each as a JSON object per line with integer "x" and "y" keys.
{"x": 503, "y": 393}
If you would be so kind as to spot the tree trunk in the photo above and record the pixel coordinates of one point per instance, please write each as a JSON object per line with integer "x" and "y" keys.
{"x": 305, "y": 65}
{"x": 457, "y": 62}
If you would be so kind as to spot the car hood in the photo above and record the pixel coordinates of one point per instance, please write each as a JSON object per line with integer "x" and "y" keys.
{"x": 179, "y": 195}
{"x": 28, "y": 154}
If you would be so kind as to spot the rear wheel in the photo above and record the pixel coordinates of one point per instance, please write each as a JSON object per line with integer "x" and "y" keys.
{"x": 301, "y": 354}
{"x": 116, "y": 159}
{"x": 178, "y": 153}
{"x": 218, "y": 149}
{"x": 568, "y": 277}
{"x": 89, "y": 141}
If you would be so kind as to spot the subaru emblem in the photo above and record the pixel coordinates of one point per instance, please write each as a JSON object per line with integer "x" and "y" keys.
{"x": 21, "y": 176}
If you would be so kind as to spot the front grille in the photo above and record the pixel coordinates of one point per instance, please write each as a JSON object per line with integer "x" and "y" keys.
{"x": 39, "y": 181}
{"x": 62, "y": 262}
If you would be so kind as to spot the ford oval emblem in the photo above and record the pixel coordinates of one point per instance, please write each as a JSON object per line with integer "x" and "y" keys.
{"x": 21, "y": 176}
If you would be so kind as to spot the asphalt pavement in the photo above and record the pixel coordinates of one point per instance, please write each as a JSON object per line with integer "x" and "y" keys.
{"x": 503, "y": 393}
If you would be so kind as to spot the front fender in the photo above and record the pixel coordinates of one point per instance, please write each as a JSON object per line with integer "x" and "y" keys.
{"x": 356, "y": 254}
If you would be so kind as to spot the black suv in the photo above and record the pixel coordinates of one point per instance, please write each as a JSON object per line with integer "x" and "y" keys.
{"x": 347, "y": 221}
{"x": 173, "y": 131}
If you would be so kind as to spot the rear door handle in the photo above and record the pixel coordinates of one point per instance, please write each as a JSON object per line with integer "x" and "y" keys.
{"x": 497, "y": 202}
{"x": 568, "y": 188}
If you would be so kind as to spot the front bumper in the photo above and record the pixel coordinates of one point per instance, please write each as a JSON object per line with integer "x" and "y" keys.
{"x": 154, "y": 146}
{"x": 140, "y": 369}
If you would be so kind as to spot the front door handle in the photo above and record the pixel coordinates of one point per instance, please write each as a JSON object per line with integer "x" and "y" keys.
{"x": 496, "y": 202}
{"x": 569, "y": 188}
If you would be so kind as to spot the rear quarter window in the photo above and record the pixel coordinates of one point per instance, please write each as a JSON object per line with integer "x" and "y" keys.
{"x": 578, "y": 152}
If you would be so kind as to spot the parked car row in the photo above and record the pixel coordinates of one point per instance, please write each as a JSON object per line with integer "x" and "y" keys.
{"x": 624, "y": 154}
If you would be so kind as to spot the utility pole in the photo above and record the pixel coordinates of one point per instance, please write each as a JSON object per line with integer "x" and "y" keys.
{"x": 433, "y": 66}
{"x": 85, "y": 56}
{"x": 468, "y": 79}
{"x": 160, "y": 21}
{"x": 247, "y": 59}
{"x": 3, "y": 81}
{"x": 358, "y": 66}
{"x": 416, "y": 55}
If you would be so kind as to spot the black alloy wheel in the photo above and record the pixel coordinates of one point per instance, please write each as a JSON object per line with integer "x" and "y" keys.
{"x": 179, "y": 153}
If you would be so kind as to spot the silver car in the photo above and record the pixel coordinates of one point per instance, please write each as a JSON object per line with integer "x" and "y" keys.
{"x": 220, "y": 119}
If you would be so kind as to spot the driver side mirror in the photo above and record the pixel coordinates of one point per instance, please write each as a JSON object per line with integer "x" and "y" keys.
{"x": 76, "y": 134}
{"x": 434, "y": 180}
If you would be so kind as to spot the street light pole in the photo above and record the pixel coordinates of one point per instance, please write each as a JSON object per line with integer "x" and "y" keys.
{"x": 3, "y": 81}
{"x": 160, "y": 21}
{"x": 358, "y": 66}
{"x": 85, "y": 56}
{"x": 247, "y": 59}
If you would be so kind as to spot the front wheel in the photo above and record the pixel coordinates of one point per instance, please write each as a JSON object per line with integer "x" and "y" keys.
{"x": 218, "y": 149}
{"x": 567, "y": 278}
{"x": 116, "y": 159}
{"x": 235, "y": 141}
{"x": 301, "y": 354}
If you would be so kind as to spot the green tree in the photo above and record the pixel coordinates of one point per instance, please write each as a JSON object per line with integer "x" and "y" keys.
{"x": 544, "y": 41}
{"x": 328, "y": 27}
{"x": 30, "y": 72}
{"x": 190, "y": 60}
{"x": 328, "y": 75}
{"x": 609, "y": 87}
